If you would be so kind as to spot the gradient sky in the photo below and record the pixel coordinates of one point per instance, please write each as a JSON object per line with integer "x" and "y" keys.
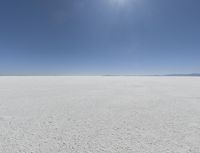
{"x": 99, "y": 36}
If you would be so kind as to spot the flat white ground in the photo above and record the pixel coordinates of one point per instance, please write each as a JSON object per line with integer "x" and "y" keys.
{"x": 99, "y": 115}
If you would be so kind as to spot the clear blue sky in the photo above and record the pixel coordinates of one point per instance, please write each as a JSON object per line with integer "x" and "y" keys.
{"x": 99, "y": 36}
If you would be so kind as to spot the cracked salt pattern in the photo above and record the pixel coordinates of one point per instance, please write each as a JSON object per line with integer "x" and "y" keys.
{"x": 99, "y": 114}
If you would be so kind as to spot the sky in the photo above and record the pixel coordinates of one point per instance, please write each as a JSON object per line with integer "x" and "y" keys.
{"x": 99, "y": 37}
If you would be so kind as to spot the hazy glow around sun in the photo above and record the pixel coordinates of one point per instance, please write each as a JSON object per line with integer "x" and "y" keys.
{"x": 119, "y": 2}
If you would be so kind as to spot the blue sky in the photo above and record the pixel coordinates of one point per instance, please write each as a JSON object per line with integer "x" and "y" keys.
{"x": 99, "y": 36}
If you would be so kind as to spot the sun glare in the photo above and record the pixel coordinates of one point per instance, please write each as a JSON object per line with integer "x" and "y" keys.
{"x": 119, "y": 3}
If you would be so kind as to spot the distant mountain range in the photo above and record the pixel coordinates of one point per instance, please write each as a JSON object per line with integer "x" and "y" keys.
{"x": 191, "y": 74}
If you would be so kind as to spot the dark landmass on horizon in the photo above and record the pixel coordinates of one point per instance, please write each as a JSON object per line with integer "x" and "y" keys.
{"x": 34, "y": 74}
